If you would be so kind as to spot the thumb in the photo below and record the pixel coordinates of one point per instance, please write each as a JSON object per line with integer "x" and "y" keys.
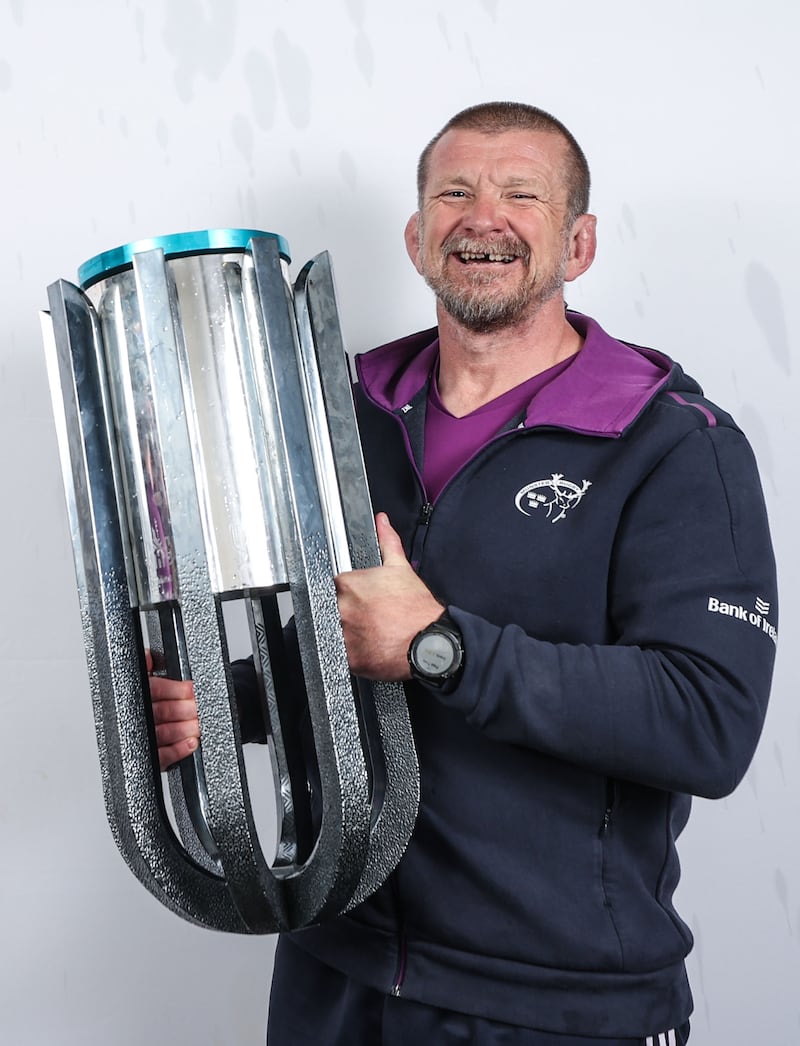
{"x": 391, "y": 546}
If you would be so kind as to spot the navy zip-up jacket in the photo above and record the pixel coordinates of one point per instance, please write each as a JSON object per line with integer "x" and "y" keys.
{"x": 608, "y": 562}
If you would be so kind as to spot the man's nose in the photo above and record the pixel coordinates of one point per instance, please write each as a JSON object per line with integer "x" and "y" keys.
{"x": 484, "y": 215}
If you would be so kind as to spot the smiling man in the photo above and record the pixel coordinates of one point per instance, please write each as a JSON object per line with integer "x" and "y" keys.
{"x": 559, "y": 514}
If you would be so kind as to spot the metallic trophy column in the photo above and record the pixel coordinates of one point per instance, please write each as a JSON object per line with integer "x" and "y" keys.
{"x": 210, "y": 453}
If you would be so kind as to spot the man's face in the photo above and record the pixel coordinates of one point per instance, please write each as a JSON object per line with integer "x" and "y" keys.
{"x": 492, "y": 238}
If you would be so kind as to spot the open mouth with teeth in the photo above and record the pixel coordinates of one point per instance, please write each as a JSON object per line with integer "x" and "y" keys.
{"x": 504, "y": 259}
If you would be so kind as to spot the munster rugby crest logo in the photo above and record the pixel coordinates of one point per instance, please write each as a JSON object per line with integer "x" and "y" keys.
{"x": 553, "y": 497}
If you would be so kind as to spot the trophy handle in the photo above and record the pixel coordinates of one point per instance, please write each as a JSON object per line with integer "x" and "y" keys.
{"x": 117, "y": 673}
{"x": 394, "y": 771}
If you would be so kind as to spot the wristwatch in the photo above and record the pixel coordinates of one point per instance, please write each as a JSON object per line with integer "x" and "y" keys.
{"x": 436, "y": 654}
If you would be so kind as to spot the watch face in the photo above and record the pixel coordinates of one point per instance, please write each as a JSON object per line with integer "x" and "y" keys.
{"x": 434, "y": 654}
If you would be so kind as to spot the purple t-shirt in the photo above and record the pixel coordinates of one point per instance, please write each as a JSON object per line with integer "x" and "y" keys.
{"x": 450, "y": 442}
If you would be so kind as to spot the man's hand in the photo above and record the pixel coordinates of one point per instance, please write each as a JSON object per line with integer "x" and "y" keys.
{"x": 175, "y": 716}
{"x": 382, "y": 609}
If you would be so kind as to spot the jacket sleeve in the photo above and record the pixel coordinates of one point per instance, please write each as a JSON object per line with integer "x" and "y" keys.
{"x": 678, "y": 700}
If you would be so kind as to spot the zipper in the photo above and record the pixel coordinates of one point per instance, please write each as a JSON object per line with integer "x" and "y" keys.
{"x": 420, "y": 533}
{"x": 612, "y": 798}
{"x": 400, "y": 968}
{"x": 612, "y": 801}
{"x": 426, "y": 510}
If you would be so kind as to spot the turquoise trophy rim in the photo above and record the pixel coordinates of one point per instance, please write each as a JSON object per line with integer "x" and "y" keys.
{"x": 175, "y": 245}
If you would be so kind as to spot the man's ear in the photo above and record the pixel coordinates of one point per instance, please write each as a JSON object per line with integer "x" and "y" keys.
{"x": 412, "y": 235}
{"x": 582, "y": 246}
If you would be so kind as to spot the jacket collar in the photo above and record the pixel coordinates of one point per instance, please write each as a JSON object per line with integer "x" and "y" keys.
{"x": 601, "y": 393}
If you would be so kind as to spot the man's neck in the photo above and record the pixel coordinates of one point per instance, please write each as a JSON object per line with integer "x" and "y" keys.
{"x": 475, "y": 368}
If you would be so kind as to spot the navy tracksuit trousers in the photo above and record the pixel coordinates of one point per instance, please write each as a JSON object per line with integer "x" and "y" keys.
{"x": 314, "y": 1005}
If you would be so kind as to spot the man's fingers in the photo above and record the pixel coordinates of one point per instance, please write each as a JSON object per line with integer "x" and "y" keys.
{"x": 174, "y": 711}
{"x": 170, "y": 754}
{"x": 175, "y": 717}
{"x": 392, "y": 552}
{"x": 163, "y": 689}
{"x": 174, "y": 733}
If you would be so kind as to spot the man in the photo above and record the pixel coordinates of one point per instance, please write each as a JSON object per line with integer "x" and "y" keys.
{"x": 578, "y": 587}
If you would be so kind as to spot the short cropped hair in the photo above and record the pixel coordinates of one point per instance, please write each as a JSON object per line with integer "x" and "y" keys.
{"x": 498, "y": 117}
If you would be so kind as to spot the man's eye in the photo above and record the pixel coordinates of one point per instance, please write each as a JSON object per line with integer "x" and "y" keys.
{"x": 459, "y": 194}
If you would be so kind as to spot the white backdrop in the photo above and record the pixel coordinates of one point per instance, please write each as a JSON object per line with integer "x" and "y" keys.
{"x": 123, "y": 120}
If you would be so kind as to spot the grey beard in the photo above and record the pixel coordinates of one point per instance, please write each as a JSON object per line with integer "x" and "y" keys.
{"x": 476, "y": 313}
{"x": 480, "y": 314}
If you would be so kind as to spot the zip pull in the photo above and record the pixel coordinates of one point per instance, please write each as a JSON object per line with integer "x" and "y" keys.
{"x": 612, "y": 797}
{"x": 418, "y": 543}
{"x": 400, "y": 972}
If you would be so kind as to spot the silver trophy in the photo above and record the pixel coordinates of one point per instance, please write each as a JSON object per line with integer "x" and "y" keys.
{"x": 210, "y": 453}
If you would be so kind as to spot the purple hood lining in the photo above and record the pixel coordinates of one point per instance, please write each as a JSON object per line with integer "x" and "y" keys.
{"x": 603, "y": 390}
